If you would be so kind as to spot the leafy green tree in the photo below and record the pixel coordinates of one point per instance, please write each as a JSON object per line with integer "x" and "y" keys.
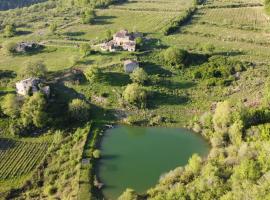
{"x": 96, "y": 153}
{"x": 266, "y": 98}
{"x": 222, "y": 117}
{"x": 139, "y": 42}
{"x": 93, "y": 74}
{"x": 248, "y": 169}
{"x": 235, "y": 132}
{"x": 53, "y": 28}
{"x": 88, "y": 16}
{"x": 11, "y": 106}
{"x": 129, "y": 194}
{"x": 34, "y": 111}
{"x": 194, "y": 164}
{"x": 175, "y": 57}
{"x": 85, "y": 49}
{"x": 79, "y": 110}
{"x": 9, "y": 48}
{"x": 34, "y": 69}
{"x": 139, "y": 76}
{"x": 10, "y": 30}
{"x": 109, "y": 35}
{"x": 135, "y": 94}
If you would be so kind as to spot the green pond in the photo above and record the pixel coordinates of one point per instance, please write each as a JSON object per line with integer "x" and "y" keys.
{"x": 135, "y": 157}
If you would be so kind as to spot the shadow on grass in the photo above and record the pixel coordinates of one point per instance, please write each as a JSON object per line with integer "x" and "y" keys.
{"x": 152, "y": 69}
{"x": 20, "y": 33}
{"x": 228, "y": 53}
{"x": 6, "y": 144}
{"x": 157, "y": 99}
{"x": 75, "y": 33}
{"x": 176, "y": 85}
{"x": 116, "y": 78}
{"x": 103, "y": 20}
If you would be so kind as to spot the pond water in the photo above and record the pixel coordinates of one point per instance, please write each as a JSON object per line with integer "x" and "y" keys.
{"x": 135, "y": 157}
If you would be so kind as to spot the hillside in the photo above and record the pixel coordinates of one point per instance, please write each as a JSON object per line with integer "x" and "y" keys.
{"x": 203, "y": 65}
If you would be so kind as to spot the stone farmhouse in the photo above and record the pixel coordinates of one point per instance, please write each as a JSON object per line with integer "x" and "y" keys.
{"x": 130, "y": 66}
{"x": 122, "y": 40}
{"x": 30, "y": 86}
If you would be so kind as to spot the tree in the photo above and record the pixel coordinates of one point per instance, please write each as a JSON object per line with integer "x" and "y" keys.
{"x": 79, "y": 110}
{"x": 222, "y": 117}
{"x": 194, "y": 164}
{"x": 34, "y": 69}
{"x": 109, "y": 35}
{"x": 96, "y": 153}
{"x": 33, "y": 111}
{"x": 85, "y": 49}
{"x": 88, "y": 16}
{"x": 93, "y": 74}
{"x": 175, "y": 57}
{"x": 135, "y": 94}
{"x": 9, "y": 30}
{"x": 235, "y": 132}
{"x": 11, "y": 106}
{"x": 129, "y": 194}
{"x": 139, "y": 42}
{"x": 139, "y": 76}
{"x": 9, "y": 48}
{"x": 266, "y": 98}
{"x": 53, "y": 28}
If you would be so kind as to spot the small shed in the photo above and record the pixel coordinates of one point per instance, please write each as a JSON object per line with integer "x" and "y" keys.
{"x": 130, "y": 66}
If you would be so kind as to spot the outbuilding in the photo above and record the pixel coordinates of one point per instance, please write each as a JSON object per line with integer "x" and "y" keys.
{"x": 130, "y": 66}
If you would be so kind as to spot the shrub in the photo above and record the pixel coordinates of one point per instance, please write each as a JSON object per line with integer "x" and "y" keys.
{"x": 129, "y": 194}
{"x": 85, "y": 49}
{"x": 79, "y": 110}
{"x": 96, "y": 153}
{"x": 93, "y": 73}
{"x": 88, "y": 16}
{"x": 9, "y": 30}
{"x": 33, "y": 111}
{"x": 139, "y": 76}
{"x": 135, "y": 94}
{"x": 34, "y": 69}
{"x": 174, "y": 56}
{"x": 11, "y": 105}
{"x": 9, "y": 48}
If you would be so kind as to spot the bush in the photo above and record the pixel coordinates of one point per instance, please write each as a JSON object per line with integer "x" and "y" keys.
{"x": 129, "y": 194}
{"x": 9, "y": 30}
{"x": 79, "y": 110}
{"x": 34, "y": 69}
{"x": 96, "y": 153}
{"x": 11, "y": 105}
{"x": 9, "y": 48}
{"x": 85, "y": 50}
{"x": 93, "y": 73}
{"x": 139, "y": 76}
{"x": 135, "y": 94}
{"x": 175, "y": 57}
{"x": 88, "y": 16}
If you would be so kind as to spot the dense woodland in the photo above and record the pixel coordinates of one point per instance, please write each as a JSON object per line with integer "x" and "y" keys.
{"x": 193, "y": 73}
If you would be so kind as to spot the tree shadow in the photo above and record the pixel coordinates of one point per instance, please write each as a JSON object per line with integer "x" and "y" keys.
{"x": 196, "y": 59}
{"x": 116, "y": 78}
{"x": 103, "y": 20}
{"x": 176, "y": 85}
{"x": 75, "y": 33}
{"x": 153, "y": 69}
{"x": 228, "y": 53}
{"x": 157, "y": 99}
{"x": 21, "y": 32}
{"x": 6, "y": 144}
{"x": 152, "y": 43}
{"x": 8, "y": 74}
